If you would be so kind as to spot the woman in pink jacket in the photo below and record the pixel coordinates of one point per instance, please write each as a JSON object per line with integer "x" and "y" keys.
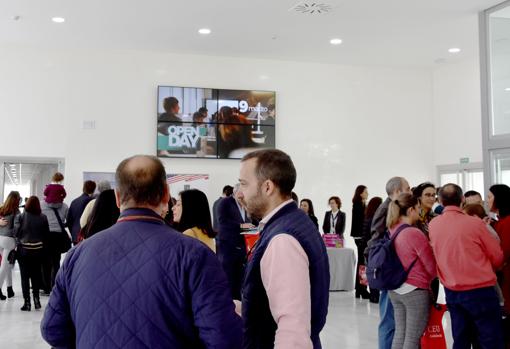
{"x": 411, "y": 301}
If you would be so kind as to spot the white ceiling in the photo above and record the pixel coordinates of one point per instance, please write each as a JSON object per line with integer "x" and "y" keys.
{"x": 404, "y": 33}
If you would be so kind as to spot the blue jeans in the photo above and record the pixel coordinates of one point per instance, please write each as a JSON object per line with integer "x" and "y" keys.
{"x": 387, "y": 322}
{"x": 476, "y": 318}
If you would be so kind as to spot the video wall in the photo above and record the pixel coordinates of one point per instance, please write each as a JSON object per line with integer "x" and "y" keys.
{"x": 214, "y": 123}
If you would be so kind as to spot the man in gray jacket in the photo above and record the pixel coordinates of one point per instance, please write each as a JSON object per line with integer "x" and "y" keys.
{"x": 52, "y": 244}
{"x": 394, "y": 187}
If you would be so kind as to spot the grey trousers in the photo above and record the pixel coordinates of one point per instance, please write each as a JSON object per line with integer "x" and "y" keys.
{"x": 411, "y": 317}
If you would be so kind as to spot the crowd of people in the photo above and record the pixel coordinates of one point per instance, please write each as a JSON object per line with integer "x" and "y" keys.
{"x": 164, "y": 272}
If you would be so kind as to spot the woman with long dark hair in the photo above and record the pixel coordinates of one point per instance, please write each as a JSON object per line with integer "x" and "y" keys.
{"x": 104, "y": 214}
{"x": 307, "y": 206}
{"x": 498, "y": 200}
{"x": 193, "y": 218}
{"x": 358, "y": 216}
{"x": 31, "y": 230}
{"x": 8, "y": 212}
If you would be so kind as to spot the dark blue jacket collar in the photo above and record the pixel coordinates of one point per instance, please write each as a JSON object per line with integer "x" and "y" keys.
{"x": 140, "y": 211}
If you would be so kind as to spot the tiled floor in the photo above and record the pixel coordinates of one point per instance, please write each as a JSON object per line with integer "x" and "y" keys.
{"x": 351, "y": 323}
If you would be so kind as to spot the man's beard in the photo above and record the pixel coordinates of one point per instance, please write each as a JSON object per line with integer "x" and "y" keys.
{"x": 256, "y": 206}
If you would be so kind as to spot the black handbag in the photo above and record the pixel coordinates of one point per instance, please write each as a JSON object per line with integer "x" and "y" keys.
{"x": 11, "y": 257}
{"x": 64, "y": 241}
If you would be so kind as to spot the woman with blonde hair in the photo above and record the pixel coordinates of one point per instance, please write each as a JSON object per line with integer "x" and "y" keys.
{"x": 411, "y": 301}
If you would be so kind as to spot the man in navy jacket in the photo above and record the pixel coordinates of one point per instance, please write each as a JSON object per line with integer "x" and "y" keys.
{"x": 141, "y": 284}
{"x": 76, "y": 209}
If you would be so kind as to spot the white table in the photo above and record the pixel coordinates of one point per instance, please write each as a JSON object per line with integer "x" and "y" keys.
{"x": 342, "y": 268}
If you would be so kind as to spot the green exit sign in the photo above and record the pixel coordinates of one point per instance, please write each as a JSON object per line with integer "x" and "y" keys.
{"x": 464, "y": 160}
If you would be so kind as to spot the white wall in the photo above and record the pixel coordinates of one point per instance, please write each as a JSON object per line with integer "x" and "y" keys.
{"x": 342, "y": 125}
{"x": 456, "y": 131}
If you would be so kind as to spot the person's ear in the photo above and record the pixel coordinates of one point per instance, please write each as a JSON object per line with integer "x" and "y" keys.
{"x": 166, "y": 195}
{"x": 268, "y": 187}
{"x": 117, "y": 198}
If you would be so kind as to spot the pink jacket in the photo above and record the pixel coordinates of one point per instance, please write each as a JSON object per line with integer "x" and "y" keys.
{"x": 410, "y": 244}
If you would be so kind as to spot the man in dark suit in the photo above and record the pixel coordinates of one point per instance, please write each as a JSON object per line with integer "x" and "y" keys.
{"x": 231, "y": 249}
{"x": 228, "y": 190}
{"x": 77, "y": 207}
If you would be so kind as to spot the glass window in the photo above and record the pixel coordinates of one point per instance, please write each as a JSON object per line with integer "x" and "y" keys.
{"x": 451, "y": 178}
{"x": 500, "y": 162}
{"x": 499, "y": 41}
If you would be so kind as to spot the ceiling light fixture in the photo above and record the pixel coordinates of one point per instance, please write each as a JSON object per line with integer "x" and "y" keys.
{"x": 507, "y": 89}
{"x": 204, "y": 31}
{"x": 335, "y": 41}
{"x": 454, "y": 50}
{"x": 58, "y": 19}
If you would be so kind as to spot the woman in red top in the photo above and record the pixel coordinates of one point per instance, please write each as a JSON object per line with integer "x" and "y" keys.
{"x": 411, "y": 301}
{"x": 499, "y": 203}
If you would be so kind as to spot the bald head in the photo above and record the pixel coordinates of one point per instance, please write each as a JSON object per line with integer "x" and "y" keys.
{"x": 451, "y": 195}
{"x": 141, "y": 182}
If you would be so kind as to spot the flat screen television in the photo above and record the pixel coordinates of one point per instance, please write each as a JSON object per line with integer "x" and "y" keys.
{"x": 195, "y": 122}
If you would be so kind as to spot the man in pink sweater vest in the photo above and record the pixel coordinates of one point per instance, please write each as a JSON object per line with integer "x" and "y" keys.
{"x": 466, "y": 256}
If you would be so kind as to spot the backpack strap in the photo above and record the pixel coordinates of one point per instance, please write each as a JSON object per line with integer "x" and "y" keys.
{"x": 59, "y": 220}
{"x": 398, "y": 231}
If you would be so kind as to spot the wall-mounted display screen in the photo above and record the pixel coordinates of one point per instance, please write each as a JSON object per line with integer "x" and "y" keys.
{"x": 213, "y": 123}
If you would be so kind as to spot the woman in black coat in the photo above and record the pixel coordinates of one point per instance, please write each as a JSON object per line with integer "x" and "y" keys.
{"x": 31, "y": 230}
{"x": 334, "y": 220}
{"x": 358, "y": 216}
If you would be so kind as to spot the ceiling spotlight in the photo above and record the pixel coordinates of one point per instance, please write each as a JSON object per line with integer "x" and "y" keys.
{"x": 335, "y": 41}
{"x": 58, "y": 19}
{"x": 204, "y": 31}
{"x": 454, "y": 50}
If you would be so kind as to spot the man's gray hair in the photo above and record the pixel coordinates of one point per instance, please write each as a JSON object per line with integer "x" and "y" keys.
{"x": 103, "y": 185}
{"x": 394, "y": 184}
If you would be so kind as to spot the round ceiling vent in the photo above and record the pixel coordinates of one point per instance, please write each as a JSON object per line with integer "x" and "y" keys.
{"x": 312, "y": 8}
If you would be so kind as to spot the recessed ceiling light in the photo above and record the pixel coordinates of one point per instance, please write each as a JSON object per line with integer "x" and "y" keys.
{"x": 58, "y": 19}
{"x": 454, "y": 50}
{"x": 204, "y": 31}
{"x": 507, "y": 89}
{"x": 335, "y": 41}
